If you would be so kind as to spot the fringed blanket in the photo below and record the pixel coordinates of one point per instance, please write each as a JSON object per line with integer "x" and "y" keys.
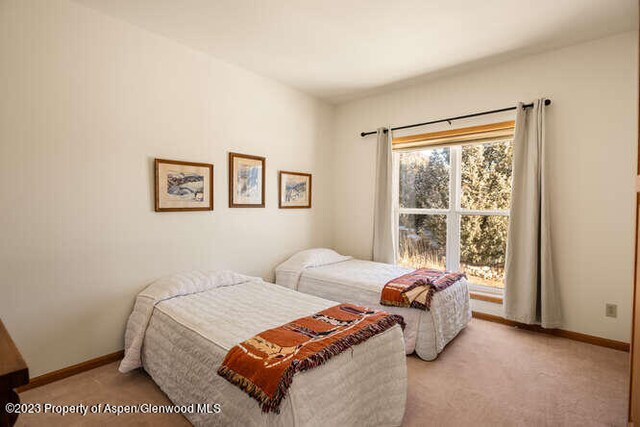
{"x": 264, "y": 366}
{"x": 417, "y": 288}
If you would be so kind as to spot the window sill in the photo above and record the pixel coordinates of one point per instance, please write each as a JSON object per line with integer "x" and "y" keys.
{"x": 486, "y": 297}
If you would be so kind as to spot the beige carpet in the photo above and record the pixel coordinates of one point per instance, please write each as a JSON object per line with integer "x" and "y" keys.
{"x": 490, "y": 375}
{"x": 498, "y": 375}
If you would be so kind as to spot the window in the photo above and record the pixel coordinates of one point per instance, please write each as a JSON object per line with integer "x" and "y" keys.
{"x": 453, "y": 209}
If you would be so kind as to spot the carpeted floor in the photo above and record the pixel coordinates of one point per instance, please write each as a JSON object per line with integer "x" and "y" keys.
{"x": 490, "y": 375}
{"x": 499, "y": 375}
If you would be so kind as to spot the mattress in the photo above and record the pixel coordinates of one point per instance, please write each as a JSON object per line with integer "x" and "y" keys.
{"x": 188, "y": 336}
{"x": 361, "y": 282}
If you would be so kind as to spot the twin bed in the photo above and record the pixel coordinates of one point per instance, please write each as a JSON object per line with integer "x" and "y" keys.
{"x": 184, "y": 325}
{"x": 327, "y": 274}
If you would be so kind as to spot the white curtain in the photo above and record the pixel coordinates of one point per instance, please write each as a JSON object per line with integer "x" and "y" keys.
{"x": 531, "y": 295}
{"x": 384, "y": 246}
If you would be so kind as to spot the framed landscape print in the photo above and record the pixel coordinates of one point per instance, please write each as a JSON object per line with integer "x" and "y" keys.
{"x": 294, "y": 190}
{"x": 183, "y": 186}
{"x": 246, "y": 181}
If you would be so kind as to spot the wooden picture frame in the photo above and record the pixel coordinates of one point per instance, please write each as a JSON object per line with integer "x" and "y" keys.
{"x": 183, "y": 186}
{"x": 303, "y": 194}
{"x": 246, "y": 181}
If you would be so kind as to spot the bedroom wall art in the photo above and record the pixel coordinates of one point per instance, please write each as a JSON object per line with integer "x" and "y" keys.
{"x": 246, "y": 181}
{"x": 294, "y": 190}
{"x": 183, "y": 186}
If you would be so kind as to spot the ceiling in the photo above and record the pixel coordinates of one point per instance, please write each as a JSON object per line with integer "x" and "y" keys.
{"x": 343, "y": 49}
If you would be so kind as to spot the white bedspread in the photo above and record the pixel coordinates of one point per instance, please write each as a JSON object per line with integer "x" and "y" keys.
{"x": 361, "y": 282}
{"x": 180, "y": 284}
{"x": 188, "y": 335}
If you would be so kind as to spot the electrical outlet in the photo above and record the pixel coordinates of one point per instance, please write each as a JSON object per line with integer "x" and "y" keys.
{"x": 611, "y": 310}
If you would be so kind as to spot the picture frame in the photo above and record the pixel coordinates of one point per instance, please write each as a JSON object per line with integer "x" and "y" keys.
{"x": 294, "y": 190}
{"x": 183, "y": 186}
{"x": 246, "y": 181}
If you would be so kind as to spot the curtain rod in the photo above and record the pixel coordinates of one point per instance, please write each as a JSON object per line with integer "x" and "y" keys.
{"x": 466, "y": 116}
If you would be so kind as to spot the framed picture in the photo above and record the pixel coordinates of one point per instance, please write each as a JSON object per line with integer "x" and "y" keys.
{"x": 246, "y": 181}
{"x": 294, "y": 190}
{"x": 183, "y": 186}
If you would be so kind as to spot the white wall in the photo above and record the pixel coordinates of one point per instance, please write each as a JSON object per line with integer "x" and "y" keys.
{"x": 592, "y": 127}
{"x": 86, "y": 103}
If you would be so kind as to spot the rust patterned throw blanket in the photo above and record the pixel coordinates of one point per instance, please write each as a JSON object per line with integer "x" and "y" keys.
{"x": 264, "y": 365}
{"x": 417, "y": 288}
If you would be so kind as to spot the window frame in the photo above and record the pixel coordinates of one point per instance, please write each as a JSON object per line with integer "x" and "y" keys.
{"x": 455, "y": 211}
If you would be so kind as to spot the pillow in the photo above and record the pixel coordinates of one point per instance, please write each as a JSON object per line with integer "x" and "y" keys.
{"x": 312, "y": 258}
